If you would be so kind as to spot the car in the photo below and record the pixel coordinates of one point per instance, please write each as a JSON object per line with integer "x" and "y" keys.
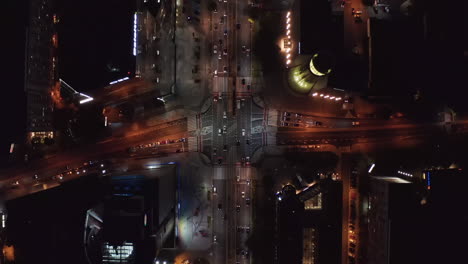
{"x": 247, "y": 142}
{"x": 225, "y": 32}
{"x": 238, "y": 26}
{"x": 219, "y": 132}
{"x": 238, "y": 177}
{"x": 248, "y": 182}
{"x": 219, "y": 56}
{"x": 343, "y": 3}
{"x": 243, "y": 81}
{"x": 355, "y": 123}
{"x": 224, "y": 129}
{"x": 238, "y": 208}
{"x": 243, "y": 48}
{"x": 243, "y": 132}
{"x": 387, "y": 9}
{"x": 35, "y": 177}
{"x": 238, "y": 142}
{"x": 220, "y": 206}
{"x": 220, "y": 161}
{"x": 225, "y": 52}
{"x": 243, "y": 194}
{"x": 215, "y": 191}
{"x": 225, "y": 68}
{"x": 247, "y": 229}
{"x": 224, "y": 115}
{"x": 225, "y": 148}
{"x": 247, "y": 159}
{"x": 214, "y": 239}
{"x": 215, "y": 74}
{"x": 247, "y": 201}
{"x": 221, "y": 20}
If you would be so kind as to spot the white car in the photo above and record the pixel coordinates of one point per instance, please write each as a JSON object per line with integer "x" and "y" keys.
{"x": 214, "y": 239}
{"x": 243, "y": 132}
{"x": 215, "y": 49}
{"x": 224, "y": 114}
{"x": 219, "y": 132}
{"x": 219, "y": 56}
{"x": 224, "y": 129}
{"x": 243, "y": 194}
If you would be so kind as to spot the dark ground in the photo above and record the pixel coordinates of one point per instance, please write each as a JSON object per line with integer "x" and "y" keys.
{"x": 48, "y": 227}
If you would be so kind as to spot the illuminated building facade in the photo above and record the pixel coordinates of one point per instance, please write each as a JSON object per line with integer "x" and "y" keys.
{"x": 41, "y": 73}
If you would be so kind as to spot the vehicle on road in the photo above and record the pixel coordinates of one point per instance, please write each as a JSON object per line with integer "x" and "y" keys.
{"x": 220, "y": 206}
{"x": 225, "y": 148}
{"x": 243, "y": 194}
{"x": 238, "y": 208}
{"x": 247, "y": 201}
{"x": 214, "y": 239}
{"x": 219, "y": 132}
{"x": 243, "y": 132}
{"x": 224, "y": 115}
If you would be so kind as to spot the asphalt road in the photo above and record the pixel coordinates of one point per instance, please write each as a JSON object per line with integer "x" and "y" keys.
{"x": 113, "y": 147}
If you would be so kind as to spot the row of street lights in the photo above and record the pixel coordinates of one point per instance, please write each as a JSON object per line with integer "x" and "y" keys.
{"x": 288, "y": 38}
{"x": 327, "y": 96}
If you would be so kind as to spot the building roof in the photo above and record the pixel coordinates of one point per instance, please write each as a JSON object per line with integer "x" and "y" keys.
{"x": 391, "y": 179}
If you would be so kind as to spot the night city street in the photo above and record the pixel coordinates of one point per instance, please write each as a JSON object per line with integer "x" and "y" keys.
{"x": 234, "y": 132}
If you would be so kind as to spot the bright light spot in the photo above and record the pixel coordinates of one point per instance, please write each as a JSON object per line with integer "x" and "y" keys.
{"x": 288, "y": 32}
{"x": 288, "y": 61}
{"x": 84, "y": 171}
{"x": 338, "y": 98}
{"x": 279, "y": 198}
{"x": 164, "y": 262}
{"x": 371, "y": 168}
{"x": 102, "y": 165}
{"x": 288, "y": 26}
{"x": 326, "y": 96}
{"x": 161, "y": 99}
{"x": 288, "y": 55}
{"x": 119, "y": 80}
{"x": 287, "y": 21}
{"x": 321, "y": 95}
{"x": 332, "y": 97}
{"x": 103, "y": 171}
{"x": 288, "y": 14}
{"x": 314, "y": 94}
{"x": 87, "y": 99}
{"x": 105, "y": 121}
